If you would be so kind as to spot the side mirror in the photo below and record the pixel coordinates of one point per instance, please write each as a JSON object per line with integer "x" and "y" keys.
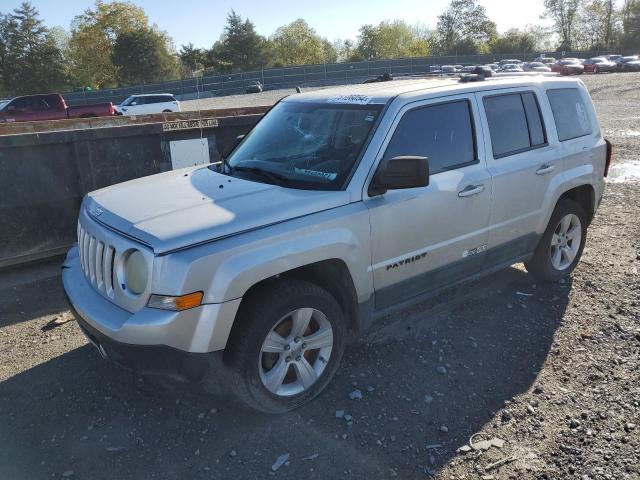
{"x": 133, "y": 104}
{"x": 398, "y": 173}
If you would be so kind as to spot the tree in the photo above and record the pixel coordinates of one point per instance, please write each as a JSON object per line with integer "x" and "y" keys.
{"x": 596, "y": 25}
{"x": 93, "y": 36}
{"x": 464, "y": 20}
{"x": 192, "y": 59}
{"x": 240, "y": 47}
{"x": 30, "y": 59}
{"x": 391, "y": 40}
{"x": 514, "y": 41}
{"x": 298, "y": 44}
{"x": 143, "y": 56}
{"x": 564, "y": 14}
{"x": 631, "y": 24}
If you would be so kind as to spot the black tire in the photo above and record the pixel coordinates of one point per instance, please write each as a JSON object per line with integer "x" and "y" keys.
{"x": 540, "y": 265}
{"x": 257, "y": 316}
{"x": 167, "y": 111}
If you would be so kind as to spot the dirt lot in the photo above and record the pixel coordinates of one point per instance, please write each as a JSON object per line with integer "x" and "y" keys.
{"x": 553, "y": 370}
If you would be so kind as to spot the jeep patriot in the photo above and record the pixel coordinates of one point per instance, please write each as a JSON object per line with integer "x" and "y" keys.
{"x": 339, "y": 206}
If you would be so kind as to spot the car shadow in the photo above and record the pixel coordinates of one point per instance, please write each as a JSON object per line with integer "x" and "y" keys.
{"x": 433, "y": 374}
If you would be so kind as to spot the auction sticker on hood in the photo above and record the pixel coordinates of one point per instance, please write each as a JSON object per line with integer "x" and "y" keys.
{"x": 350, "y": 99}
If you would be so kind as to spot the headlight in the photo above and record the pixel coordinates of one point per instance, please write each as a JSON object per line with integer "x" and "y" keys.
{"x": 136, "y": 272}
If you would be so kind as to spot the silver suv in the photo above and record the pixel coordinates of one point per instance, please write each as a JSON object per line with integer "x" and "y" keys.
{"x": 340, "y": 206}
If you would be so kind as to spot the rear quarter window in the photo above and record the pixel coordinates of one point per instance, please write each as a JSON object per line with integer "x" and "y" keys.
{"x": 570, "y": 113}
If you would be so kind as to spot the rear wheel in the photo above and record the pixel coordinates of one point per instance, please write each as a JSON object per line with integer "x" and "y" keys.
{"x": 562, "y": 243}
{"x": 286, "y": 347}
{"x": 166, "y": 111}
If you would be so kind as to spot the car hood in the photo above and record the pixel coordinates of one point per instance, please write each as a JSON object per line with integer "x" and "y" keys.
{"x": 181, "y": 208}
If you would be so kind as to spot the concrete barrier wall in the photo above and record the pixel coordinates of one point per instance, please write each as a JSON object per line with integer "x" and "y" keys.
{"x": 44, "y": 175}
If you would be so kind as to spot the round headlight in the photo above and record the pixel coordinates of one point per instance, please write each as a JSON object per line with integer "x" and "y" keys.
{"x": 136, "y": 273}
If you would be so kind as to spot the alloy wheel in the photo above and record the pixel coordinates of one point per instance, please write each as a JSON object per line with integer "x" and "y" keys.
{"x": 565, "y": 241}
{"x": 295, "y": 352}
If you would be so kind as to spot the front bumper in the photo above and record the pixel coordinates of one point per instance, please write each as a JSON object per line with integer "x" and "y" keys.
{"x": 154, "y": 359}
{"x": 202, "y": 329}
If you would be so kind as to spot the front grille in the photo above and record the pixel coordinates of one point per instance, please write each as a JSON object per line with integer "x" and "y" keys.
{"x": 97, "y": 260}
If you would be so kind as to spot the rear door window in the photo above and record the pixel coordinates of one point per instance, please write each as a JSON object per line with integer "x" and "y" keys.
{"x": 515, "y": 123}
{"x": 443, "y": 133}
{"x": 569, "y": 113}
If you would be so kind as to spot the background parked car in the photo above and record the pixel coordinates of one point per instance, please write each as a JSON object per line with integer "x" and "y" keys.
{"x": 568, "y": 66}
{"x": 150, "y": 103}
{"x": 513, "y": 61}
{"x": 545, "y": 60}
{"x": 448, "y": 69}
{"x": 535, "y": 67}
{"x": 511, "y": 67}
{"x": 254, "y": 87}
{"x": 598, "y": 65}
{"x": 612, "y": 58}
{"x": 628, "y": 64}
{"x": 51, "y": 106}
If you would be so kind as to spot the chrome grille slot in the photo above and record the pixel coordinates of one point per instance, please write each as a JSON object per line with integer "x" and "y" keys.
{"x": 97, "y": 260}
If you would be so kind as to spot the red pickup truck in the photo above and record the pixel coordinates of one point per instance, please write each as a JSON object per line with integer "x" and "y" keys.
{"x": 32, "y": 108}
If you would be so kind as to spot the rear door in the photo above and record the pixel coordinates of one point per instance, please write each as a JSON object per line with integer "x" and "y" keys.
{"x": 426, "y": 238}
{"x": 524, "y": 166}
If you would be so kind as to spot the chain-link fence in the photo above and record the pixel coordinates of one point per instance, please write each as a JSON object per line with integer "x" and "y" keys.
{"x": 302, "y": 75}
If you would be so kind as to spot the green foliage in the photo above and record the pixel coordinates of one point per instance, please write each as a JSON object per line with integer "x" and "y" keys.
{"x": 514, "y": 41}
{"x": 631, "y": 24}
{"x": 463, "y": 23}
{"x": 93, "y": 37}
{"x": 30, "y": 59}
{"x": 142, "y": 56}
{"x": 297, "y": 43}
{"x": 192, "y": 59}
{"x": 240, "y": 47}
{"x": 564, "y": 14}
{"x": 395, "y": 39}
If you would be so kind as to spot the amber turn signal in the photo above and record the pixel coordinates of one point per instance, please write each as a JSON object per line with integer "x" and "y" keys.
{"x": 183, "y": 302}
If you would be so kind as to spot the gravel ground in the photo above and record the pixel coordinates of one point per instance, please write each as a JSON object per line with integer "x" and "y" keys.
{"x": 550, "y": 369}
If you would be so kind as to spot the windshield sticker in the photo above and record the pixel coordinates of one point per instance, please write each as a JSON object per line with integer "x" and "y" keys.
{"x": 314, "y": 173}
{"x": 351, "y": 99}
{"x": 370, "y": 117}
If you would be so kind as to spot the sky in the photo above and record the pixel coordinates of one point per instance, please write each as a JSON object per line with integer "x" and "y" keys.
{"x": 201, "y": 22}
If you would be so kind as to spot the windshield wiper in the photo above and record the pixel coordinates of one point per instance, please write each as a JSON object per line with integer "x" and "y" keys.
{"x": 271, "y": 176}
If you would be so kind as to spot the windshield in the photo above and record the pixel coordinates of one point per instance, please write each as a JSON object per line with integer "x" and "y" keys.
{"x": 3, "y": 103}
{"x": 128, "y": 101}
{"x": 306, "y": 145}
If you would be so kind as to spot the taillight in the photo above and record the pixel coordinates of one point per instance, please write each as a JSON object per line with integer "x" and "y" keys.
{"x": 607, "y": 162}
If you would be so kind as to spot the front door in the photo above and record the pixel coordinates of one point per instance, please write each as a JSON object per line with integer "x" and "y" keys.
{"x": 426, "y": 238}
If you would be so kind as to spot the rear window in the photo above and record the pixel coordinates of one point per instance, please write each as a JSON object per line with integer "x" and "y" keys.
{"x": 515, "y": 123}
{"x": 443, "y": 133}
{"x": 569, "y": 113}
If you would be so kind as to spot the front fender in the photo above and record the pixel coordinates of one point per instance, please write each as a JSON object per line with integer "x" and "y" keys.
{"x": 227, "y": 268}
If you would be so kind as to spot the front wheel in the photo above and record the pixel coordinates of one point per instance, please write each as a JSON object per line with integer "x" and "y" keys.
{"x": 562, "y": 243}
{"x": 286, "y": 347}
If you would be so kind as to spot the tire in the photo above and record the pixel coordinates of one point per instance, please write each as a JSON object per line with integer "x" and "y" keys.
{"x": 544, "y": 264}
{"x": 167, "y": 111}
{"x": 271, "y": 311}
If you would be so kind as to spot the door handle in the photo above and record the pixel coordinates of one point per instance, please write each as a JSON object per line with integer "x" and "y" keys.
{"x": 544, "y": 169}
{"x": 470, "y": 190}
